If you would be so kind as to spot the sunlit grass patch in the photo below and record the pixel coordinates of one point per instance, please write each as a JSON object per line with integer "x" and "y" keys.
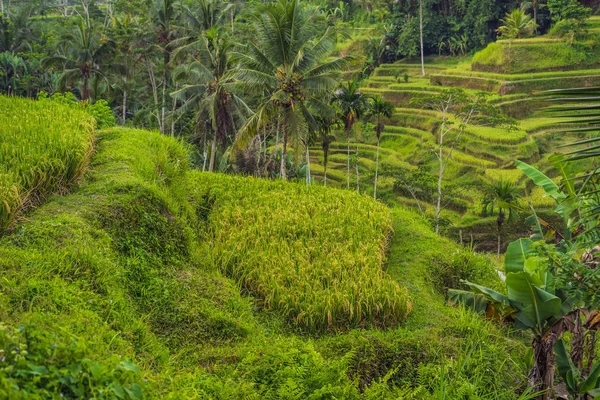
{"x": 313, "y": 254}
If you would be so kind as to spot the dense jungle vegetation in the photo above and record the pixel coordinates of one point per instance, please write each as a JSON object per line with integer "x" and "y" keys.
{"x": 299, "y": 199}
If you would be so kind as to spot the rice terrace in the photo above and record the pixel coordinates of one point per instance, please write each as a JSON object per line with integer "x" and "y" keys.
{"x": 299, "y": 199}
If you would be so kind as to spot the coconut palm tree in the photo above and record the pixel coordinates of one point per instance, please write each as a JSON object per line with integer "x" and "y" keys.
{"x": 286, "y": 60}
{"x": 209, "y": 89}
{"x": 352, "y": 104}
{"x": 501, "y": 197}
{"x": 326, "y": 123}
{"x": 378, "y": 109}
{"x": 85, "y": 52}
{"x": 516, "y": 25}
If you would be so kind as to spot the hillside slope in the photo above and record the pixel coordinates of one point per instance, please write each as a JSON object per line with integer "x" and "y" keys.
{"x": 117, "y": 290}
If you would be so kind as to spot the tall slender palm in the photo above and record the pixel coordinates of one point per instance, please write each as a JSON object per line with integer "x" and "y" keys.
{"x": 286, "y": 59}
{"x": 352, "y": 104}
{"x": 378, "y": 109}
{"x": 209, "y": 89}
{"x": 126, "y": 31}
{"x": 326, "y": 123}
{"x": 502, "y": 197}
{"x": 164, "y": 18}
{"x": 85, "y": 53}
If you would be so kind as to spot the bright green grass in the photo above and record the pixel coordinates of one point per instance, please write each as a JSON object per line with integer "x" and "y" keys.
{"x": 44, "y": 148}
{"x": 304, "y": 251}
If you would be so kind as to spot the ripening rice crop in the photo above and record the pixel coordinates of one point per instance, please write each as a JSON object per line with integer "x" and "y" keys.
{"x": 44, "y": 147}
{"x": 311, "y": 253}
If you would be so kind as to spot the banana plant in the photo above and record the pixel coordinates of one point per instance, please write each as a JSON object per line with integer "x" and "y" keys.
{"x": 578, "y": 386}
{"x": 531, "y": 302}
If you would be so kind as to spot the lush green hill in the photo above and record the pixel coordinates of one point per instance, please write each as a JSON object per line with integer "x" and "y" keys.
{"x": 125, "y": 287}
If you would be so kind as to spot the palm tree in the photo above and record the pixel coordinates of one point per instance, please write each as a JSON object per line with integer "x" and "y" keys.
{"x": 209, "y": 88}
{"x": 164, "y": 17}
{"x": 85, "y": 52}
{"x": 11, "y": 67}
{"x": 503, "y": 197}
{"x": 379, "y": 108}
{"x": 126, "y": 32}
{"x": 326, "y": 124}
{"x": 516, "y": 25}
{"x": 352, "y": 104}
{"x": 285, "y": 60}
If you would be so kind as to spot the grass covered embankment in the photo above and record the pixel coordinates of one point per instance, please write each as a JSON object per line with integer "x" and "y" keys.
{"x": 122, "y": 289}
{"x": 44, "y": 148}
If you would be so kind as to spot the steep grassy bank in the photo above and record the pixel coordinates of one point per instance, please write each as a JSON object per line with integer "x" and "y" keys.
{"x": 116, "y": 290}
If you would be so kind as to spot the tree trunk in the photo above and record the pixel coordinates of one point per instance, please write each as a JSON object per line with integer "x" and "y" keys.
{"x": 213, "y": 150}
{"x": 591, "y": 345}
{"x": 357, "y": 178}
{"x": 348, "y": 138}
{"x": 124, "y": 105}
{"x": 307, "y": 165}
{"x": 85, "y": 91}
{"x": 376, "y": 169}
{"x": 204, "y": 153}
{"x": 421, "y": 36}
{"x": 282, "y": 168}
{"x": 163, "y": 111}
{"x": 535, "y": 7}
{"x": 173, "y": 116}
{"x": 578, "y": 341}
{"x": 542, "y": 374}
{"x": 2, "y": 7}
{"x": 232, "y": 19}
{"x": 438, "y": 209}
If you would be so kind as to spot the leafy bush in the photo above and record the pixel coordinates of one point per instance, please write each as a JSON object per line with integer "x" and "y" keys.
{"x": 100, "y": 110}
{"x": 34, "y": 366}
{"x": 44, "y": 148}
{"x": 304, "y": 251}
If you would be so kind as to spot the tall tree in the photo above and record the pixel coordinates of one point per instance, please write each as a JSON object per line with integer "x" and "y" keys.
{"x": 457, "y": 110}
{"x": 352, "y": 104}
{"x": 421, "y": 37}
{"x": 209, "y": 89}
{"x": 86, "y": 51}
{"x": 379, "y": 109}
{"x": 164, "y": 17}
{"x": 501, "y": 197}
{"x": 286, "y": 59}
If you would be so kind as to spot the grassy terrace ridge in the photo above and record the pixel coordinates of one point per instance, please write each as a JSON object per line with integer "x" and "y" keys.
{"x": 44, "y": 148}
{"x": 127, "y": 289}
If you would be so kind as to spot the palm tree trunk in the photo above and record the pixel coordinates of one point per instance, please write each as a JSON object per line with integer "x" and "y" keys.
{"x": 376, "y": 170}
{"x": 325, "y": 157}
{"x": 348, "y": 138}
{"x": 204, "y": 153}
{"x": 542, "y": 375}
{"x": 2, "y": 7}
{"x": 173, "y": 116}
{"x": 282, "y": 168}
{"x": 535, "y": 7}
{"x": 213, "y": 150}
{"x": 438, "y": 209}
{"x": 232, "y": 18}
{"x": 85, "y": 92}
{"x": 499, "y": 242}
{"x": 163, "y": 111}
{"x": 307, "y": 165}
{"x": 421, "y": 36}
{"x": 124, "y": 105}
{"x": 357, "y": 178}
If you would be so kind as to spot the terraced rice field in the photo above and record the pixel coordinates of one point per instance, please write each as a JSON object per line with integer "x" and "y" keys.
{"x": 484, "y": 154}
